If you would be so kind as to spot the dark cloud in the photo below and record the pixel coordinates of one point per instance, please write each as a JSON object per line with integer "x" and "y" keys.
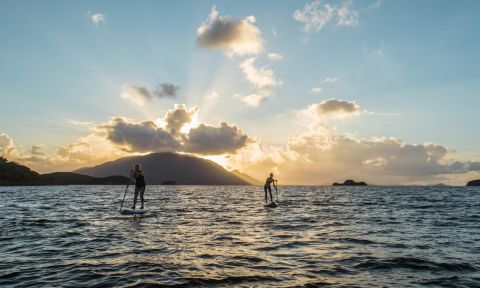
{"x": 148, "y": 136}
{"x": 166, "y": 90}
{"x": 211, "y": 140}
{"x": 140, "y": 137}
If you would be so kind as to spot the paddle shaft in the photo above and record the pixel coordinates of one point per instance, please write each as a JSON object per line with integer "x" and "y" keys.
{"x": 126, "y": 189}
{"x": 276, "y": 188}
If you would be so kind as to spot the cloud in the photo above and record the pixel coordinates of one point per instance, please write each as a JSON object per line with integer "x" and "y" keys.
{"x": 178, "y": 117}
{"x": 234, "y": 37}
{"x": 169, "y": 135}
{"x": 323, "y": 157}
{"x": 211, "y": 140}
{"x": 253, "y": 100}
{"x": 316, "y": 15}
{"x": 330, "y": 80}
{"x": 263, "y": 78}
{"x": 139, "y": 137}
{"x": 166, "y": 90}
{"x": 346, "y": 16}
{"x": 316, "y": 90}
{"x": 374, "y": 6}
{"x": 98, "y": 18}
{"x": 333, "y": 107}
{"x": 137, "y": 94}
{"x": 140, "y": 94}
{"x": 7, "y": 147}
{"x": 275, "y": 56}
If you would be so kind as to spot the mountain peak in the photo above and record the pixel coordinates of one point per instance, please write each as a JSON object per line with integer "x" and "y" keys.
{"x": 167, "y": 166}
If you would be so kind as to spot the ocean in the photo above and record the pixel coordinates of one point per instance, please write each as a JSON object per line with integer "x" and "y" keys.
{"x": 223, "y": 236}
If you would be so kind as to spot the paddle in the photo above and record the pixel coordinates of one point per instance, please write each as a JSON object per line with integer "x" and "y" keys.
{"x": 276, "y": 190}
{"x": 129, "y": 181}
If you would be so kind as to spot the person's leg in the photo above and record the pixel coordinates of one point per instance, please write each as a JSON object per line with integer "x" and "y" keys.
{"x": 142, "y": 190}
{"x": 265, "y": 189}
{"x": 137, "y": 189}
{"x": 270, "y": 191}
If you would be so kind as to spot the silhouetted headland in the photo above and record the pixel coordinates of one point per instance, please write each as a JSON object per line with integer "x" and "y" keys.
{"x": 245, "y": 177}
{"x": 474, "y": 183}
{"x": 350, "y": 182}
{"x": 14, "y": 174}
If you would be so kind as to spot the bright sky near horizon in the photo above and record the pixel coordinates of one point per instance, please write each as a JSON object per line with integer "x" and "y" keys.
{"x": 315, "y": 91}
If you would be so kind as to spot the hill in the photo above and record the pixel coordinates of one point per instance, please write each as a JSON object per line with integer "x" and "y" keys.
{"x": 247, "y": 178}
{"x": 474, "y": 183}
{"x": 161, "y": 167}
{"x": 14, "y": 174}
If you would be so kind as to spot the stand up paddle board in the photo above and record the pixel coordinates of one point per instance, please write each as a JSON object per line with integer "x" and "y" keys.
{"x": 132, "y": 212}
{"x": 271, "y": 205}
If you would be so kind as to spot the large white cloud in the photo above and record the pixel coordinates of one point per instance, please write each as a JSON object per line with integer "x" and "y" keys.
{"x": 234, "y": 37}
{"x": 168, "y": 136}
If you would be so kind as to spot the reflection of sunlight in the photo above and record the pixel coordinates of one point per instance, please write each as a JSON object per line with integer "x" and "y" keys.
{"x": 220, "y": 160}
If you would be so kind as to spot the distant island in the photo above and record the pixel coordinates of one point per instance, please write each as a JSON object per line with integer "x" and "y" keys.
{"x": 350, "y": 182}
{"x": 160, "y": 168}
{"x": 14, "y": 174}
{"x": 474, "y": 183}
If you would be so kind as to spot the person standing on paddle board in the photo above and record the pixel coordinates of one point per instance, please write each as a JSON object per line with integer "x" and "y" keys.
{"x": 267, "y": 186}
{"x": 140, "y": 184}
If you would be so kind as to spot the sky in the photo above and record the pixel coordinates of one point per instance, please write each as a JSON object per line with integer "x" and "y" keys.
{"x": 314, "y": 91}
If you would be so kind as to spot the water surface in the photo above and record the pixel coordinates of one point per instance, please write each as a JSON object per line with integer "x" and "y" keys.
{"x": 223, "y": 236}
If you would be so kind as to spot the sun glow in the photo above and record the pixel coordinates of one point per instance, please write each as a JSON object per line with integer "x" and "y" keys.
{"x": 219, "y": 159}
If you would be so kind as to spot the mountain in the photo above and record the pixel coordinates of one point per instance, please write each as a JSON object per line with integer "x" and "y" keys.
{"x": 474, "y": 183}
{"x": 161, "y": 167}
{"x": 14, "y": 174}
{"x": 247, "y": 178}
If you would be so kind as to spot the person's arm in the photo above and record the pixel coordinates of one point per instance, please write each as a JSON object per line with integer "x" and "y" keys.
{"x": 275, "y": 184}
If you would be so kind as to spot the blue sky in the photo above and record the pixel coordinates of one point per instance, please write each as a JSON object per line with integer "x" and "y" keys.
{"x": 412, "y": 65}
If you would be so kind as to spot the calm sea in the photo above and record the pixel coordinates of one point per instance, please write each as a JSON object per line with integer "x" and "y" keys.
{"x": 223, "y": 236}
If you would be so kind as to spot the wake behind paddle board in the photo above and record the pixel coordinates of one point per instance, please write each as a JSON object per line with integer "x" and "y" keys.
{"x": 132, "y": 212}
{"x": 271, "y": 205}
